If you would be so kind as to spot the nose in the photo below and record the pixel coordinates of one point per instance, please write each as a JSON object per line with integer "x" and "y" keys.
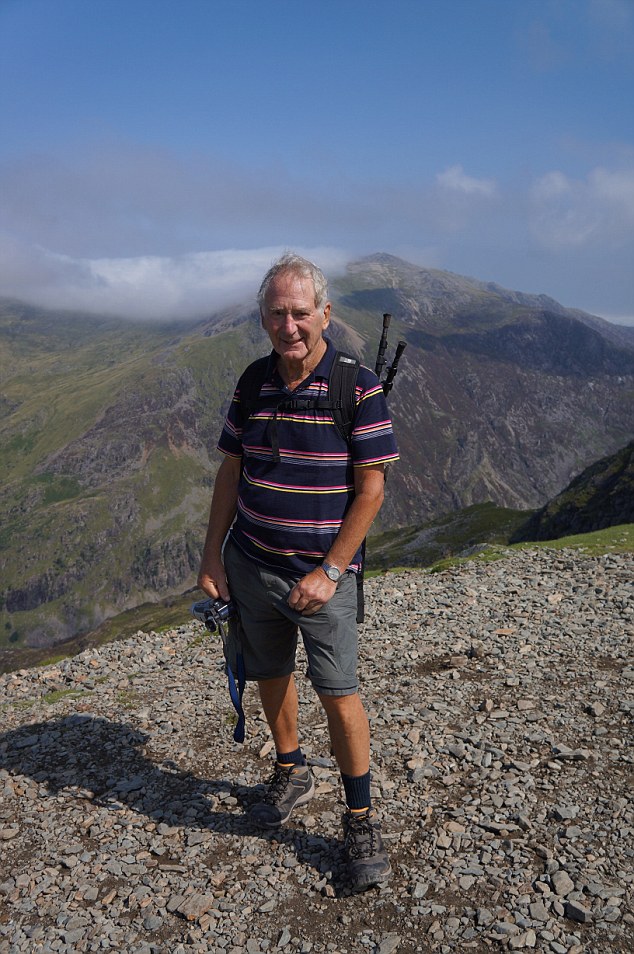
{"x": 288, "y": 322}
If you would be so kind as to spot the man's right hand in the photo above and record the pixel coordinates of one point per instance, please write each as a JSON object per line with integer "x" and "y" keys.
{"x": 212, "y": 580}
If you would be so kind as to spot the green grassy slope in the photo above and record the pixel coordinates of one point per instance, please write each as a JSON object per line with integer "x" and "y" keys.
{"x": 106, "y": 462}
{"x": 424, "y": 544}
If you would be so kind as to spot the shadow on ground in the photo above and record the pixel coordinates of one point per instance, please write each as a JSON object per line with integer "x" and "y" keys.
{"x": 105, "y": 763}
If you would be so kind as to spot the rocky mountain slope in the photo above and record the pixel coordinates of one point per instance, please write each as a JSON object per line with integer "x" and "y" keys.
{"x": 500, "y": 697}
{"x": 601, "y": 496}
{"x": 108, "y": 428}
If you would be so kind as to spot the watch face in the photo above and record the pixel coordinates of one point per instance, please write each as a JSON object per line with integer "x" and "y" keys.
{"x": 332, "y": 573}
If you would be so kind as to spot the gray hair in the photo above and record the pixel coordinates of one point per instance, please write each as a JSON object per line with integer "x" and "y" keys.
{"x": 291, "y": 262}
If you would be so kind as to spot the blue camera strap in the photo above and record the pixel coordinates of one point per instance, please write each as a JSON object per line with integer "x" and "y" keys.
{"x": 206, "y": 612}
{"x": 236, "y": 691}
{"x": 236, "y": 685}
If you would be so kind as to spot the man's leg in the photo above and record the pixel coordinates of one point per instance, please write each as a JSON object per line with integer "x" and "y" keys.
{"x": 279, "y": 701}
{"x": 368, "y": 862}
{"x": 292, "y": 783}
{"x": 349, "y": 732}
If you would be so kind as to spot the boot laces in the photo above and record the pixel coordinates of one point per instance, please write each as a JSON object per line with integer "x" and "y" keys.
{"x": 361, "y": 840}
{"x": 276, "y": 785}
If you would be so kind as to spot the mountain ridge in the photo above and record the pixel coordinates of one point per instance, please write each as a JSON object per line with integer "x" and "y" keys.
{"x": 439, "y": 284}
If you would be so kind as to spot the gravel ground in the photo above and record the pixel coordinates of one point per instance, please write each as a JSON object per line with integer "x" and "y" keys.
{"x": 500, "y": 697}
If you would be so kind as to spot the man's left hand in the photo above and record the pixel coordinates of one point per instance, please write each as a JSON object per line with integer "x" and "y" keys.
{"x": 313, "y": 590}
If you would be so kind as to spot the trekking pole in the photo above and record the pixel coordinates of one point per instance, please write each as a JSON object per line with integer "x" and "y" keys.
{"x": 387, "y": 387}
{"x": 393, "y": 368}
{"x": 380, "y": 357}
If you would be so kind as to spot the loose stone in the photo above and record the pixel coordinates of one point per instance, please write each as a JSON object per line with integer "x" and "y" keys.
{"x": 500, "y": 697}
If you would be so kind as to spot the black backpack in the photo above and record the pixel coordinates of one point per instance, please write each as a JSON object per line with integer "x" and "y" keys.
{"x": 341, "y": 401}
{"x": 341, "y": 398}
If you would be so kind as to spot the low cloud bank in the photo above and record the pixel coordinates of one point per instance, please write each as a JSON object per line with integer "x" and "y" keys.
{"x": 121, "y": 231}
{"x": 144, "y": 287}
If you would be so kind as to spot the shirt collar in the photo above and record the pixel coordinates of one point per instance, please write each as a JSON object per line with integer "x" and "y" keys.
{"x": 321, "y": 370}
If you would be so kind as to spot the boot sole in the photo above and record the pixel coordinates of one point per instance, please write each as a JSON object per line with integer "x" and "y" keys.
{"x": 370, "y": 881}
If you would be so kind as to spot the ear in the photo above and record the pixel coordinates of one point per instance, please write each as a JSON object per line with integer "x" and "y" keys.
{"x": 326, "y": 320}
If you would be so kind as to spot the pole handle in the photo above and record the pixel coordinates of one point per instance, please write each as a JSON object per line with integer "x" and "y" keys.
{"x": 380, "y": 357}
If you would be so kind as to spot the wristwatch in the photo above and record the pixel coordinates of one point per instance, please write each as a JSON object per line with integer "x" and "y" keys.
{"x": 332, "y": 572}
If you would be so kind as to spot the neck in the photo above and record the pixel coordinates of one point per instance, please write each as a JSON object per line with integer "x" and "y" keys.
{"x": 294, "y": 372}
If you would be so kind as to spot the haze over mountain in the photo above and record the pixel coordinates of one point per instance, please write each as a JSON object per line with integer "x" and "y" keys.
{"x": 108, "y": 427}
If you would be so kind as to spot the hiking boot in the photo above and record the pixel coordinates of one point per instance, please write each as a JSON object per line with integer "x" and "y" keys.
{"x": 368, "y": 863}
{"x": 287, "y": 788}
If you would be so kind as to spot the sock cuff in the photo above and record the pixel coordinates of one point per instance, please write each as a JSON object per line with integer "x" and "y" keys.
{"x": 290, "y": 758}
{"x": 357, "y": 789}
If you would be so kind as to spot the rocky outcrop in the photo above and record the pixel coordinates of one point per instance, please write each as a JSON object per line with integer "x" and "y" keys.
{"x": 130, "y": 429}
{"x": 602, "y": 496}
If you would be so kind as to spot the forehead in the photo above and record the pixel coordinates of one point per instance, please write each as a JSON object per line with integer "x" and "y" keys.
{"x": 289, "y": 286}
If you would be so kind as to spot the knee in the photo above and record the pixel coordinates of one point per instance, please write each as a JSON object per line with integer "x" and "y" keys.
{"x": 345, "y": 711}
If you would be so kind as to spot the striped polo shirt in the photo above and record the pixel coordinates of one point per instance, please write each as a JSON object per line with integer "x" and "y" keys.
{"x": 290, "y": 511}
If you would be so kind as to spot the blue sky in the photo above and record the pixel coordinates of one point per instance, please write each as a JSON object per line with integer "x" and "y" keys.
{"x": 156, "y": 155}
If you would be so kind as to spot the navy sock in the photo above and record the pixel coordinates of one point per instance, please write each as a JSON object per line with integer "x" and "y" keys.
{"x": 291, "y": 758}
{"x": 357, "y": 789}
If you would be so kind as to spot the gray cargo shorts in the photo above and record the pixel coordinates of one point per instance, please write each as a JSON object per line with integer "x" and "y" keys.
{"x": 267, "y": 628}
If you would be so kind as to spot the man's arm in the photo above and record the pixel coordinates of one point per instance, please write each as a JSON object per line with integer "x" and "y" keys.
{"x": 211, "y": 578}
{"x": 315, "y": 589}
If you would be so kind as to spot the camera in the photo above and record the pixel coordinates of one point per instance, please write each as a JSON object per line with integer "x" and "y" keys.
{"x": 214, "y": 613}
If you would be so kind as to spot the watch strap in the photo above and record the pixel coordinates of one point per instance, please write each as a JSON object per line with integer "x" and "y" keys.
{"x": 332, "y": 572}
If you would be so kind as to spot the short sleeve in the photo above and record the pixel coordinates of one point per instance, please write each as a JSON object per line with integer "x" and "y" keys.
{"x": 373, "y": 440}
{"x": 230, "y": 442}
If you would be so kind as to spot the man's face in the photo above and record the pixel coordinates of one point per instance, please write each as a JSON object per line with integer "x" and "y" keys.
{"x": 291, "y": 319}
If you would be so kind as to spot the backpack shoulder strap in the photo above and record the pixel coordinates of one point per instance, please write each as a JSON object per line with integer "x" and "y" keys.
{"x": 343, "y": 400}
{"x": 250, "y": 385}
{"x": 342, "y": 392}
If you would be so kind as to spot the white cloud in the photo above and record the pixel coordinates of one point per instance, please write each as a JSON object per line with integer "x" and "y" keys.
{"x": 455, "y": 179}
{"x": 551, "y": 186}
{"x": 568, "y": 213}
{"x": 160, "y": 287}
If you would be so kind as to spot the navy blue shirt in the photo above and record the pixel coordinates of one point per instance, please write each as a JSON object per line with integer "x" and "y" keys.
{"x": 290, "y": 510}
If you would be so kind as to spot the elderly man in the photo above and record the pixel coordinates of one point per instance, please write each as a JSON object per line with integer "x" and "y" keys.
{"x": 303, "y": 499}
